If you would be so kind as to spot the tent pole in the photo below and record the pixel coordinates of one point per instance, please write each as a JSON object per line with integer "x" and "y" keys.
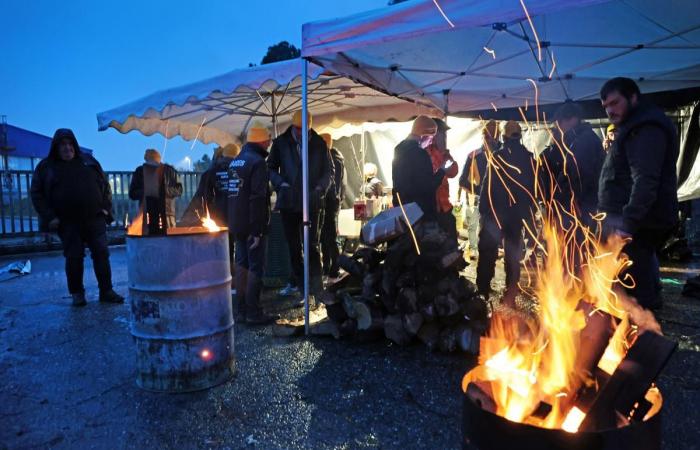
{"x": 274, "y": 114}
{"x": 305, "y": 184}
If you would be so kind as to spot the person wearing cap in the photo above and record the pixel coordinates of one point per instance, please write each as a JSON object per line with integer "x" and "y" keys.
{"x": 506, "y": 201}
{"x": 72, "y": 197}
{"x": 374, "y": 187}
{"x": 583, "y": 155}
{"x": 471, "y": 179}
{"x": 284, "y": 163}
{"x": 439, "y": 155}
{"x": 414, "y": 179}
{"x": 334, "y": 198}
{"x": 610, "y": 136}
{"x": 154, "y": 185}
{"x": 249, "y": 218}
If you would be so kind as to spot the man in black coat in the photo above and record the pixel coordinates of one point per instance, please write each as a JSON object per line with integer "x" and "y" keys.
{"x": 154, "y": 185}
{"x": 71, "y": 194}
{"x": 249, "y": 218}
{"x": 584, "y": 154}
{"x": 284, "y": 163}
{"x": 333, "y": 200}
{"x": 638, "y": 182}
{"x": 412, "y": 170}
{"x": 506, "y": 200}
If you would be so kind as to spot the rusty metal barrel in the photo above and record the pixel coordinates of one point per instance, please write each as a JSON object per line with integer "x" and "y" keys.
{"x": 181, "y": 318}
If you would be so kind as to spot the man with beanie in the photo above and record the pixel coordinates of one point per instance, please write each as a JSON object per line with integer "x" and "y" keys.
{"x": 334, "y": 198}
{"x": 284, "y": 163}
{"x": 154, "y": 185}
{"x": 470, "y": 181}
{"x": 638, "y": 183}
{"x": 439, "y": 155}
{"x": 583, "y": 154}
{"x": 249, "y": 217}
{"x": 506, "y": 201}
{"x": 71, "y": 194}
{"x": 413, "y": 176}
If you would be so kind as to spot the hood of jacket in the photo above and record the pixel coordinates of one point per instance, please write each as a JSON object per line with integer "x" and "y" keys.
{"x": 62, "y": 133}
{"x": 255, "y": 148}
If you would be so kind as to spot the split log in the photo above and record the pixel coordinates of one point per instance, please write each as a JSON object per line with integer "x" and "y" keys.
{"x": 468, "y": 339}
{"x": 371, "y": 284}
{"x": 480, "y": 393}
{"x": 334, "y": 306}
{"x": 446, "y": 306}
{"x": 407, "y": 301}
{"x": 352, "y": 266}
{"x": 394, "y": 331}
{"x": 429, "y": 334}
{"x": 428, "y": 312}
{"x": 413, "y": 322}
{"x": 448, "y": 340}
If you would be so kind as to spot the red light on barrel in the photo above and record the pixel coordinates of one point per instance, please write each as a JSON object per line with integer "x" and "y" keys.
{"x": 206, "y": 354}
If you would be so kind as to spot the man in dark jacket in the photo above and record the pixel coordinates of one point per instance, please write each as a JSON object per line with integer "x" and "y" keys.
{"x": 470, "y": 182}
{"x": 284, "y": 163}
{"x": 505, "y": 201}
{"x": 412, "y": 170}
{"x": 249, "y": 217}
{"x": 154, "y": 185}
{"x": 584, "y": 154}
{"x": 334, "y": 198}
{"x": 71, "y": 194}
{"x": 638, "y": 182}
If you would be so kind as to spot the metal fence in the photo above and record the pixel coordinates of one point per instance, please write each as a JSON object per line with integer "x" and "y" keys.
{"x": 18, "y": 217}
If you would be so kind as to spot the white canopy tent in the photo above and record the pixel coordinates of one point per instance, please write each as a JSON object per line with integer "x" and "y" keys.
{"x": 461, "y": 55}
{"x": 220, "y": 109}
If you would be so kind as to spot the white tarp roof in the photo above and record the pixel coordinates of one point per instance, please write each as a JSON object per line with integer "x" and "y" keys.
{"x": 220, "y": 109}
{"x": 484, "y": 52}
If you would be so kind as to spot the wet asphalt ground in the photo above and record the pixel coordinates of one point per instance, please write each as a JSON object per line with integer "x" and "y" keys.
{"x": 68, "y": 381}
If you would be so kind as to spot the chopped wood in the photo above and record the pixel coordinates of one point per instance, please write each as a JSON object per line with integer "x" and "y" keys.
{"x": 394, "y": 330}
{"x": 412, "y": 322}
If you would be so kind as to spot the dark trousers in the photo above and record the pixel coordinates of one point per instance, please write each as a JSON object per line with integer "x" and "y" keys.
{"x": 642, "y": 251}
{"x": 74, "y": 236}
{"x": 490, "y": 237}
{"x": 294, "y": 233}
{"x": 448, "y": 223}
{"x": 329, "y": 241}
{"x": 250, "y": 267}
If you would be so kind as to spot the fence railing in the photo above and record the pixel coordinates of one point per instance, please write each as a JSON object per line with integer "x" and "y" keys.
{"x": 18, "y": 217}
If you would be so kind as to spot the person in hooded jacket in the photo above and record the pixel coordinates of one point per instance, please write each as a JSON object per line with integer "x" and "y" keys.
{"x": 334, "y": 198}
{"x": 506, "y": 201}
{"x": 154, "y": 185}
{"x": 413, "y": 176}
{"x": 249, "y": 218}
{"x": 439, "y": 155}
{"x": 284, "y": 163}
{"x": 71, "y": 194}
{"x": 638, "y": 183}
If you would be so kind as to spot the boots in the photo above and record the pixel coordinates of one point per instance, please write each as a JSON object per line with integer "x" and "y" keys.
{"x": 79, "y": 299}
{"x": 110, "y": 297}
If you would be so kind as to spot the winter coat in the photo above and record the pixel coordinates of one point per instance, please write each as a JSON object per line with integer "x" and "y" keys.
{"x": 513, "y": 172}
{"x": 70, "y": 190}
{"x": 336, "y": 192}
{"x": 284, "y": 164}
{"x": 474, "y": 171}
{"x": 582, "y": 170}
{"x": 438, "y": 159}
{"x": 638, "y": 180}
{"x": 374, "y": 187}
{"x": 211, "y": 195}
{"x": 169, "y": 189}
{"x": 413, "y": 176}
{"x": 249, "y": 192}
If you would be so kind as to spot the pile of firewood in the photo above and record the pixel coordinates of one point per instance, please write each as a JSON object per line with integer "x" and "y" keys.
{"x": 406, "y": 290}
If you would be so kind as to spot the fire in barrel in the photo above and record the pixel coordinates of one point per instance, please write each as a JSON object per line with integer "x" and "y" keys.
{"x": 181, "y": 317}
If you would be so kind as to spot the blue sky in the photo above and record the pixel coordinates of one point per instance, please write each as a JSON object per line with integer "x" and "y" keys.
{"x": 65, "y": 61}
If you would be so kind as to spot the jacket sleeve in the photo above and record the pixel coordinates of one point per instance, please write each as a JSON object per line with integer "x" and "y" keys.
{"x": 421, "y": 177}
{"x": 646, "y": 151}
{"x": 273, "y": 165}
{"x": 136, "y": 185}
{"x": 259, "y": 180}
{"x": 39, "y": 200}
{"x": 106, "y": 192}
{"x": 454, "y": 170}
{"x": 464, "y": 178}
{"x": 326, "y": 175}
{"x": 173, "y": 189}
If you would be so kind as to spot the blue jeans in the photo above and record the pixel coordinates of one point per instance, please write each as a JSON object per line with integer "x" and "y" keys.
{"x": 250, "y": 267}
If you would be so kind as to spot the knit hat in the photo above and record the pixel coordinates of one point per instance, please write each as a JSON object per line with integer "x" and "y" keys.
{"x": 424, "y": 126}
{"x": 611, "y": 128}
{"x": 327, "y": 139}
{"x": 230, "y": 150}
{"x": 296, "y": 119}
{"x": 152, "y": 155}
{"x": 511, "y": 130}
{"x": 258, "y": 133}
{"x": 490, "y": 129}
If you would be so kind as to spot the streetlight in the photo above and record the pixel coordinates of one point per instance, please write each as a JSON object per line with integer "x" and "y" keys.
{"x": 189, "y": 163}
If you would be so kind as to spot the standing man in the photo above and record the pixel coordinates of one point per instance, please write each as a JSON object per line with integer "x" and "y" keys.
{"x": 638, "y": 182}
{"x": 505, "y": 202}
{"x": 439, "y": 155}
{"x": 471, "y": 179}
{"x": 374, "y": 188}
{"x": 412, "y": 170}
{"x": 334, "y": 198}
{"x": 249, "y": 217}
{"x": 286, "y": 177}
{"x": 578, "y": 186}
{"x": 155, "y": 186}
{"x": 71, "y": 194}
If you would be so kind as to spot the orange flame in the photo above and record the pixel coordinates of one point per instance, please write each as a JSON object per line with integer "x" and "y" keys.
{"x": 209, "y": 224}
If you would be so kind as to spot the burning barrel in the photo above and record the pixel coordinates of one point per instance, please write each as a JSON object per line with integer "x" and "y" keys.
{"x": 181, "y": 318}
